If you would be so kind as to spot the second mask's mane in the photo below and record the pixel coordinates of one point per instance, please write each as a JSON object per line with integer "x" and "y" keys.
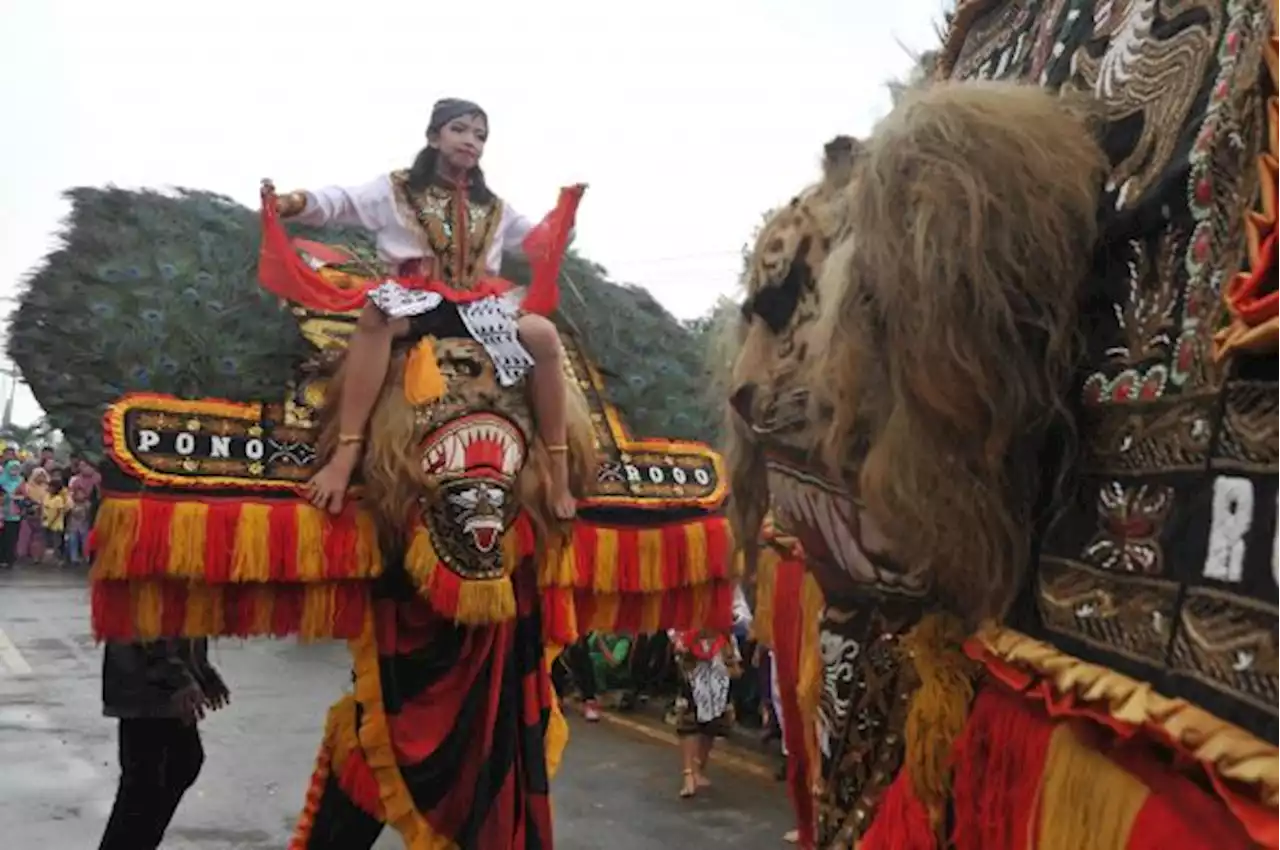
{"x": 949, "y": 332}
{"x": 933, "y": 344}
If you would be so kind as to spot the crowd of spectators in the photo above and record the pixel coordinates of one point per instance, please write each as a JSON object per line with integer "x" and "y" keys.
{"x": 46, "y": 508}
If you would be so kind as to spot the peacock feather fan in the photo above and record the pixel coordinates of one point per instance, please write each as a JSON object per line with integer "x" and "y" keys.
{"x": 158, "y": 292}
{"x": 654, "y": 365}
{"x": 151, "y": 292}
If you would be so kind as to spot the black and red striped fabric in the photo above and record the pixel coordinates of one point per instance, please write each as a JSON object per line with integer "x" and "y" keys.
{"x": 467, "y": 713}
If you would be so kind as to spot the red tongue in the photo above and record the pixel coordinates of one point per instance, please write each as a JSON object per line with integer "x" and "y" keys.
{"x": 484, "y": 538}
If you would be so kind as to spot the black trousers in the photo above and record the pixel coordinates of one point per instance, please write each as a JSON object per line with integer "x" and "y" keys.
{"x": 576, "y": 662}
{"x": 651, "y": 662}
{"x": 160, "y": 759}
{"x": 9, "y": 542}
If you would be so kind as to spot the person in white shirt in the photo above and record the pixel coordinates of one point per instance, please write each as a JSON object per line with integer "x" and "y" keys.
{"x": 438, "y": 222}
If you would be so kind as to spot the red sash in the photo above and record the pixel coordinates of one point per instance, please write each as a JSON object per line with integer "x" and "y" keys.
{"x": 282, "y": 271}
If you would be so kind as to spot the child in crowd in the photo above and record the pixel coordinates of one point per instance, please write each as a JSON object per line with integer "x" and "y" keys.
{"x": 56, "y": 507}
{"x": 78, "y": 522}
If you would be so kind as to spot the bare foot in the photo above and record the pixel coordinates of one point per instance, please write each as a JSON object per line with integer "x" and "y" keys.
{"x": 690, "y": 786}
{"x": 563, "y": 505}
{"x": 702, "y": 780}
{"x": 329, "y": 486}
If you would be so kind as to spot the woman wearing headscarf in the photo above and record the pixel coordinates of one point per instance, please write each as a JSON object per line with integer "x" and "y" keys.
{"x": 443, "y": 231}
{"x": 10, "y": 481}
{"x": 31, "y": 498}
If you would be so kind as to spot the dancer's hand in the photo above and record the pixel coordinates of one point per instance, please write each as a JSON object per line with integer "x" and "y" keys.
{"x": 189, "y": 704}
{"x": 286, "y": 205}
{"x": 217, "y": 694}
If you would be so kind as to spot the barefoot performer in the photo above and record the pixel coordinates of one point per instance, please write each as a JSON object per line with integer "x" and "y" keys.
{"x": 443, "y": 232}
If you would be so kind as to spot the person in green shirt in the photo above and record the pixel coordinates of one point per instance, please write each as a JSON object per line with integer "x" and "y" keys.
{"x": 610, "y": 657}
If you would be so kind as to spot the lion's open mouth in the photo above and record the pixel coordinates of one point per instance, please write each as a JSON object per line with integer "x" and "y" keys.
{"x": 481, "y": 442}
{"x": 485, "y": 531}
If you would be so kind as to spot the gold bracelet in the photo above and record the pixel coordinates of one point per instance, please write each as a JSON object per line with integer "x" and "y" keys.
{"x": 558, "y": 448}
{"x": 350, "y": 439}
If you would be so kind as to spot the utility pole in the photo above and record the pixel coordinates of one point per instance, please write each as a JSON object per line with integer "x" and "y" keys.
{"x": 12, "y": 374}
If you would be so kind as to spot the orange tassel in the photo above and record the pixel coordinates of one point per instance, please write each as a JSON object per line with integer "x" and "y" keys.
{"x": 423, "y": 381}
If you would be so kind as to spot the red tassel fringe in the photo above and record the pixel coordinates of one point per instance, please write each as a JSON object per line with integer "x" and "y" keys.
{"x": 901, "y": 821}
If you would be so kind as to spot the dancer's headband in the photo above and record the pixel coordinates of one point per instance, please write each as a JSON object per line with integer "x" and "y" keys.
{"x": 450, "y": 108}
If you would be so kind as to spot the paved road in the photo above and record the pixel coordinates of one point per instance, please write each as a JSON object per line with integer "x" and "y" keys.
{"x": 58, "y": 758}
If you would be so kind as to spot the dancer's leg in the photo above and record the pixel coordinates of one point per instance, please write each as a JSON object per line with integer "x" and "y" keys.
{"x": 159, "y": 760}
{"x": 540, "y": 339}
{"x": 705, "y": 742}
{"x": 367, "y": 358}
{"x": 689, "y": 761}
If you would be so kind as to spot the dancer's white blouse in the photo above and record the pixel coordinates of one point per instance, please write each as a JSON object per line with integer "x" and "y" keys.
{"x": 373, "y": 207}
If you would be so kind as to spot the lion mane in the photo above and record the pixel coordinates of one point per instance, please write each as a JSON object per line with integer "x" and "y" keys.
{"x": 948, "y": 327}
{"x": 391, "y": 467}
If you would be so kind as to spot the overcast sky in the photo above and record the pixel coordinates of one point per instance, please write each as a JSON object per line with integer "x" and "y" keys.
{"x": 687, "y": 118}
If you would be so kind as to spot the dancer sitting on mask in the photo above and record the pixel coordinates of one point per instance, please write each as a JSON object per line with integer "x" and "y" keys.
{"x": 438, "y": 223}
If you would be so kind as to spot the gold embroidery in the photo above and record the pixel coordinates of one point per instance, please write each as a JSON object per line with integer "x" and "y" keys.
{"x": 458, "y": 231}
{"x": 1143, "y": 72}
{"x": 1130, "y": 616}
{"x": 1229, "y": 643}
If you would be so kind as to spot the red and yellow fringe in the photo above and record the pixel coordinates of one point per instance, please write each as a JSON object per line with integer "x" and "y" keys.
{"x": 218, "y": 541}
{"x": 1129, "y": 716}
{"x": 1024, "y": 779}
{"x": 788, "y": 607}
{"x": 599, "y": 578}
{"x": 468, "y": 602}
{"x": 235, "y": 567}
{"x": 148, "y": 609}
{"x": 788, "y": 612}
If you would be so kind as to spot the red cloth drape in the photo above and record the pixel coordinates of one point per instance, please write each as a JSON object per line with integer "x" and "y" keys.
{"x": 788, "y": 643}
{"x": 283, "y": 272}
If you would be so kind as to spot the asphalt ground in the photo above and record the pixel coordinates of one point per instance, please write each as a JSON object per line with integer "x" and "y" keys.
{"x": 617, "y": 788}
